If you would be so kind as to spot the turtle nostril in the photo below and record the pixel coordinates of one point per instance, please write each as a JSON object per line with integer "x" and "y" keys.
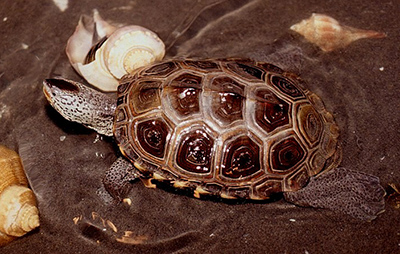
{"x": 62, "y": 84}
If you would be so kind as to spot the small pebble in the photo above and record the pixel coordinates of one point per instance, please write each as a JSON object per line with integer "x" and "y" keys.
{"x": 127, "y": 201}
{"x": 97, "y": 139}
{"x": 62, "y": 5}
{"x": 100, "y": 155}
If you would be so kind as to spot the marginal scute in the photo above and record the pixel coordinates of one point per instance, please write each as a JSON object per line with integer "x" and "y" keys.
{"x": 165, "y": 175}
{"x": 123, "y": 86}
{"x": 318, "y": 104}
{"x": 202, "y": 65}
{"x": 244, "y": 70}
{"x": 297, "y": 180}
{"x": 148, "y": 166}
{"x": 267, "y": 67}
{"x": 266, "y": 188}
{"x": 120, "y": 115}
{"x": 128, "y": 150}
{"x": 310, "y": 124}
{"x": 317, "y": 163}
{"x": 213, "y": 188}
{"x": 120, "y": 133}
{"x": 238, "y": 192}
{"x": 328, "y": 145}
{"x": 161, "y": 70}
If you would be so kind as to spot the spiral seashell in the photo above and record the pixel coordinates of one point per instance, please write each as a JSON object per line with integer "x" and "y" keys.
{"x": 18, "y": 207}
{"x": 328, "y": 34}
{"x": 102, "y": 53}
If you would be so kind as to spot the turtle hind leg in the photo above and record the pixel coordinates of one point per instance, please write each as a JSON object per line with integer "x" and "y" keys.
{"x": 117, "y": 180}
{"x": 355, "y": 193}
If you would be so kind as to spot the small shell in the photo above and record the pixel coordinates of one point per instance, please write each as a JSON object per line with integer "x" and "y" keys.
{"x": 328, "y": 34}
{"x": 18, "y": 207}
{"x": 102, "y": 53}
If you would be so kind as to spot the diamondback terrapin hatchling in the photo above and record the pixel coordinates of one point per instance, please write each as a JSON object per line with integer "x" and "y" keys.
{"x": 231, "y": 128}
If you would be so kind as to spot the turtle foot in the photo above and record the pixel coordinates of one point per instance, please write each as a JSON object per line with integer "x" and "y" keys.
{"x": 117, "y": 180}
{"x": 355, "y": 193}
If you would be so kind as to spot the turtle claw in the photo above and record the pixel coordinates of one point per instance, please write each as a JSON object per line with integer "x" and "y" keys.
{"x": 148, "y": 183}
{"x": 117, "y": 180}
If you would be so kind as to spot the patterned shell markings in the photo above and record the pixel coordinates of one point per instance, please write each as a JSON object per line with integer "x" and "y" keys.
{"x": 234, "y": 128}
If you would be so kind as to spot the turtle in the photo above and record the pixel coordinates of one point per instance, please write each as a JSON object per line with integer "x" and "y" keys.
{"x": 228, "y": 128}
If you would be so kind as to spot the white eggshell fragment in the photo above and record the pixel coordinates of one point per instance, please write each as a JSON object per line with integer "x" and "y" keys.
{"x": 102, "y": 53}
{"x": 328, "y": 34}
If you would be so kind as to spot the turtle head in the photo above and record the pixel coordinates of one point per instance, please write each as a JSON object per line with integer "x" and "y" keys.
{"x": 56, "y": 86}
{"x": 81, "y": 104}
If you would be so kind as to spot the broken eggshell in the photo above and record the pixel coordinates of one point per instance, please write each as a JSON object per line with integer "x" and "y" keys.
{"x": 328, "y": 34}
{"x": 102, "y": 53}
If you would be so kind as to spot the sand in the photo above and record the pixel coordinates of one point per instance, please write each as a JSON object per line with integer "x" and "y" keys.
{"x": 65, "y": 162}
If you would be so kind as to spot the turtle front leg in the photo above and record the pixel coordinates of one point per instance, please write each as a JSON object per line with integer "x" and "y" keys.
{"x": 117, "y": 180}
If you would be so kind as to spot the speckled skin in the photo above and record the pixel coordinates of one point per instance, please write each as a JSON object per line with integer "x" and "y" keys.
{"x": 78, "y": 103}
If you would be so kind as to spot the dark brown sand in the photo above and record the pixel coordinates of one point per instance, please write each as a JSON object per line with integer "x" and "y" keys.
{"x": 65, "y": 162}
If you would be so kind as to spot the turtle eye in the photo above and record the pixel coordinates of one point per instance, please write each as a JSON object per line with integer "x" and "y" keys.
{"x": 62, "y": 84}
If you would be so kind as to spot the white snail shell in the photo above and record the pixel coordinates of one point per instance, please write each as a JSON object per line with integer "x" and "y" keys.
{"x": 120, "y": 52}
{"x": 328, "y": 34}
{"x": 18, "y": 206}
